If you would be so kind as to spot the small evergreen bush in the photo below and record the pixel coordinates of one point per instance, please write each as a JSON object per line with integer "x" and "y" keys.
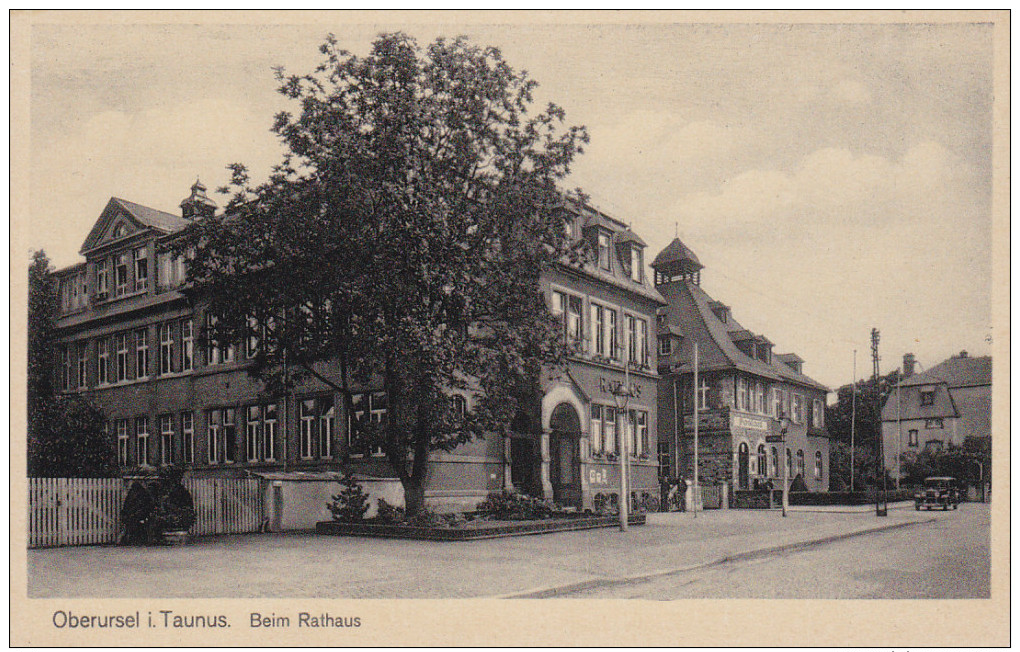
{"x": 350, "y": 505}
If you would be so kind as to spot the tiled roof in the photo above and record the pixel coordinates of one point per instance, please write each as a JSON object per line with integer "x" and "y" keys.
{"x": 726, "y": 352}
{"x": 675, "y": 251}
{"x": 157, "y": 219}
{"x": 956, "y": 372}
{"x": 908, "y": 406}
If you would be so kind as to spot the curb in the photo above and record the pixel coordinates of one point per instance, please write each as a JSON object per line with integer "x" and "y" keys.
{"x": 584, "y": 585}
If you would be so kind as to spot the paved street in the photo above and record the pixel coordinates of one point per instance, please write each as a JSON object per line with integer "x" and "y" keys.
{"x": 308, "y": 565}
{"x": 945, "y": 559}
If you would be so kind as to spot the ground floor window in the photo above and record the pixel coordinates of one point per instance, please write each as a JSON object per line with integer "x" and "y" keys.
{"x": 122, "y": 442}
{"x": 188, "y": 436}
{"x": 912, "y": 438}
{"x": 166, "y": 439}
{"x": 763, "y": 467}
{"x": 366, "y": 410}
{"x": 142, "y": 440}
{"x": 818, "y": 465}
{"x": 800, "y": 463}
{"x": 269, "y": 434}
{"x": 253, "y": 432}
{"x": 775, "y": 462}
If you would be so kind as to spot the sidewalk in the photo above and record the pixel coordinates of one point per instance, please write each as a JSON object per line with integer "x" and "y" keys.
{"x": 309, "y": 565}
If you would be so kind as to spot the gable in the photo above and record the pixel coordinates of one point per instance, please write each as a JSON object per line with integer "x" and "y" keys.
{"x": 113, "y": 224}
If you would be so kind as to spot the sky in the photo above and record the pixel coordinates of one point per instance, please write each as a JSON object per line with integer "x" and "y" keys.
{"x": 831, "y": 177}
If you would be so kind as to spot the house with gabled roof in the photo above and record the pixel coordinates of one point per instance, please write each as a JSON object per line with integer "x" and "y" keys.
{"x": 128, "y": 335}
{"x": 744, "y": 389}
{"x": 947, "y": 404}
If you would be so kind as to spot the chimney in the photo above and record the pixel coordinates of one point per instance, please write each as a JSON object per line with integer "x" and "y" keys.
{"x": 908, "y": 365}
{"x": 963, "y": 354}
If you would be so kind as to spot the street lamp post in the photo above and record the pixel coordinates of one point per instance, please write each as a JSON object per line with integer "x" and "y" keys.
{"x": 785, "y": 423}
{"x": 621, "y": 396}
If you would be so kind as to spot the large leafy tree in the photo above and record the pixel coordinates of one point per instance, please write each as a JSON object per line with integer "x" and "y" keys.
{"x": 400, "y": 241}
{"x": 65, "y": 433}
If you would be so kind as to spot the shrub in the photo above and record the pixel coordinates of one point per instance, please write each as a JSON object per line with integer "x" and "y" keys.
{"x": 350, "y": 505}
{"x": 388, "y": 513}
{"x": 155, "y": 506}
{"x": 511, "y": 506}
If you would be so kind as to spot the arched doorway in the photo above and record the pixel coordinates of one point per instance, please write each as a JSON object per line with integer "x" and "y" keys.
{"x": 565, "y": 455}
{"x": 743, "y": 466}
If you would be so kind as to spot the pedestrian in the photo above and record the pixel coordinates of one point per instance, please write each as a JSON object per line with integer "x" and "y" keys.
{"x": 681, "y": 490}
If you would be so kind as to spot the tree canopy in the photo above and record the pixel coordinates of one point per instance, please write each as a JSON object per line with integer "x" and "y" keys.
{"x": 400, "y": 241}
{"x": 66, "y": 437}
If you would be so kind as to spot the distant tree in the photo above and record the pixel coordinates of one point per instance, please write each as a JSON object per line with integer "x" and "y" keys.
{"x": 839, "y": 466}
{"x": 42, "y": 310}
{"x": 401, "y": 240}
{"x": 870, "y": 399}
{"x": 65, "y": 433}
{"x": 954, "y": 461}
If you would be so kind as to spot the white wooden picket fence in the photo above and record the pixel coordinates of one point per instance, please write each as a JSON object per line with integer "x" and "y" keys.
{"x": 83, "y": 511}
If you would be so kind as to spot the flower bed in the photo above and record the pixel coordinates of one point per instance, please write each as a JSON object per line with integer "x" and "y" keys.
{"x": 475, "y": 529}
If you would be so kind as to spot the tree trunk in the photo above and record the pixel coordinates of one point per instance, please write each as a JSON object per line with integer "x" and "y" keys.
{"x": 414, "y": 496}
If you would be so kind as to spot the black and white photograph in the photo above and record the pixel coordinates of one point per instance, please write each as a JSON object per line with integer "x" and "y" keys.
{"x": 528, "y": 328}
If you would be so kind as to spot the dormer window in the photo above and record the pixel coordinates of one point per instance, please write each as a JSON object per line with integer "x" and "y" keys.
{"x": 636, "y": 264}
{"x": 603, "y": 245}
{"x": 141, "y": 269}
{"x": 120, "y": 274}
{"x": 928, "y": 397}
{"x": 102, "y": 278}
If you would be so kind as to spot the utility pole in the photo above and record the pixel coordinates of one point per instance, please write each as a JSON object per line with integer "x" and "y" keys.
{"x": 853, "y": 420}
{"x": 696, "y": 489}
{"x": 881, "y": 504}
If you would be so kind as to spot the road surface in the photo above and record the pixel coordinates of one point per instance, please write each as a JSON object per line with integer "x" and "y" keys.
{"x": 945, "y": 559}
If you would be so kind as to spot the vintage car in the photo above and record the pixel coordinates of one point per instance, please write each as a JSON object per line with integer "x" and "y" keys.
{"x": 937, "y": 492}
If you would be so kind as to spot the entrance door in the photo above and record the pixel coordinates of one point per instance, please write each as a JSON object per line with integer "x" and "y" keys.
{"x": 522, "y": 464}
{"x": 743, "y": 466}
{"x": 565, "y": 456}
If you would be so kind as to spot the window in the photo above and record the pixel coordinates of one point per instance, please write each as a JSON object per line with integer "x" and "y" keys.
{"x": 818, "y": 415}
{"x": 253, "y": 432}
{"x": 103, "y": 361}
{"x": 818, "y": 465}
{"x": 603, "y": 241}
{"x": 142, "y": 440}
{"x": 122, "y": 442}
{"x": 269, "y": 434}
{"x": 459, "y": 406}
{"x": 375, "y": 406}
{"x": 609, "y": 443}
{"x": 166, "y": 348}
{"x": 933, "y": 446}
{"x": 611, "y": 346}
{"x": 742, "y": 403}
{"x": 188, "y": 348}
{"x": 327, "y": 419}
{"x": 120, "y": 274}
{"x": 642, "y": 345}
{"x": 102, "y": 278}
{"x": 141, "y": 353}
{"x": 122, "y": 356}
{"x": 229, "y": 436}
{"x": 665, "y": 345}
{"x": 933, "y": 424}
{"x": 702, "y": 394}
{"x": 166, "y": 439}
{"x": 215, "y": 436}
{"x": 251, "y": 343}
{"x": 636, "y": 264}
{"x": 775, "y": 462}
{"x": 598, "y": 333}
{"x": 170, "y": 269}
{"x": 800, "y": 463}
{"x": 81, "y": 360}
{"x": 308, "y": 419}
{"x": 777, "y": 402}
{"x": 665, "y": 463}
{"x": 574, "y": 319}
{"x": 759, "y": 397}
{"x": 637, "y": 337}
{"x": 188, "y": 436}
{"x": 65, "y": 366}
{"x": 639, "y": 432}
{"x": 789, "y": 464}
{"x": 928, "y": 397}
{"x": 912, "y": 438}
{"x": 595, "y": 432}
{"x": 797, "y": 408}
{"x": 763, "y": 460}
{"x": 141, "y": 269}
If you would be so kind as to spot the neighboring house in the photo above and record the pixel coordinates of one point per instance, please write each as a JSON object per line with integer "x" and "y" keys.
{"x": 744, "y": 389}
{"x": 128, "y": 338}
{"x": 945, "y": 404}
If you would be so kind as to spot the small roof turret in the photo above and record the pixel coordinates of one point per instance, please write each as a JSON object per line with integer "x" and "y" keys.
{"x": 677, "y": 262}
{"x": 197, "y": 204}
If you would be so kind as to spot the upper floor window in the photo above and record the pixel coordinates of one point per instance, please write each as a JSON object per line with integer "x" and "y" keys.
{"x": 912, "y": 438}
{"x": 603, "y": 242}
{"x": 120, "y": 274}
{"x": 928, "y": 397}
{"x": 742, "y": 402}
{"x": 933, "y": 424}
{"x": 569, "y": 308}
{"x": 187, "y": 344}
{"x": 598, "y": 333}
{"x": 637, "y": 340}
{"x": 166, "y": 348}
{"x": 797, "y": 408}
{"x": 81, "y": 352}
{"x": 818, "y": 415}
{"x": 665, "y": 345}
{"x": 141, "y": 353}
{"x": 122, "y": 356}
{"x": 636, "y": 264}
{"x": 102, "y": 361}
{"x": 102, "y": 278}
{"x": 141, "y": 269}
